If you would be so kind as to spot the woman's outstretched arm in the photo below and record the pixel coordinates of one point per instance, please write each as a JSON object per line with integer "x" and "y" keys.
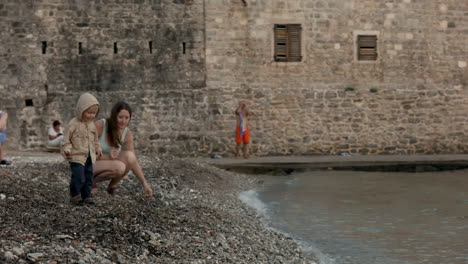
{"x": 134, "y": 165}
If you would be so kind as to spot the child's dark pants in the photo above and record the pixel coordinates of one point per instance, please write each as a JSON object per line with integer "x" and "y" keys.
{"x": 81, "y": 179}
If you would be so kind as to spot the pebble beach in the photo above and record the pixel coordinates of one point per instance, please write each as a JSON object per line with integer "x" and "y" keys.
{"x": 195, "y": 216}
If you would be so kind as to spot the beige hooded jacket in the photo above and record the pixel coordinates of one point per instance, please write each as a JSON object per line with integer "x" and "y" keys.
{"x": 81, "y": 138}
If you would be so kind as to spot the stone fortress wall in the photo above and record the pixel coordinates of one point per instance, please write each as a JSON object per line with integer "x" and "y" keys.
{"x": 184, "y": 65}
{"x": 148, "y": 53}
{"x": 413, "y": 99}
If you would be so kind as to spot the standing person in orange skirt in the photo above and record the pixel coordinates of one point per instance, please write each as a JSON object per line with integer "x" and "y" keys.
{"x": 242, "y": 129}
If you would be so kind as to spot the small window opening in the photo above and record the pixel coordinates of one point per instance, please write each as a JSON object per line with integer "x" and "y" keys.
{"x": 80, "y": 48}
{"x": 287, "y": 42}
{"x": 183, "y": 47}
{"x": 116, "y": 50}
{"x": 44, "y": 47}
{"x": 150, "y": 45}
{"x": 29, "y": 102}
{"x": 367, "y": 47}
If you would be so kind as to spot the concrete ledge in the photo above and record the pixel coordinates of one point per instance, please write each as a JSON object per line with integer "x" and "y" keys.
{"x": 52, "y": 149}
{"x": 321, "y": 162}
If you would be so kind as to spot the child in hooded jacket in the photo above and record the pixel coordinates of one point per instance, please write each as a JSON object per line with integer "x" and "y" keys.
{"x": 81, "y": 148}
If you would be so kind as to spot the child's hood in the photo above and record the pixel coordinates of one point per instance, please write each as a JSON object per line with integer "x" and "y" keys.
{"x": 86, "y": 101}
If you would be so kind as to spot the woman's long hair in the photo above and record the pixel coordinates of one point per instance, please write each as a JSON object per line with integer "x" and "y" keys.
{"x": 112, "y": 128}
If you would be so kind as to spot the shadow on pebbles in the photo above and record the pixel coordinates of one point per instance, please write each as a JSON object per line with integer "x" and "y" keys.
{"x": 194, "y": 217}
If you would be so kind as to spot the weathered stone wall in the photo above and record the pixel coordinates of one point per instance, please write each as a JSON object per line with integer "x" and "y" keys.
{"x": 162, "y": 81}
{"x": 412, "y": 100}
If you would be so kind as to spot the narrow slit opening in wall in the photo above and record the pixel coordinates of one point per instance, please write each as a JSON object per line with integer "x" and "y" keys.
{"x": 28, "y": 102}
{"x": 183, "y": 47}
{"x": 80, "y": 48}
{"x": 44, "y": 47}
{"x": 150, "y": 45}
{"x": 116, "y": 50}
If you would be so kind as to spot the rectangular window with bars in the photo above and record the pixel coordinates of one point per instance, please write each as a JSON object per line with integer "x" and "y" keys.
{"x": 287, "y": 42}
{"x": 367, "y": 47}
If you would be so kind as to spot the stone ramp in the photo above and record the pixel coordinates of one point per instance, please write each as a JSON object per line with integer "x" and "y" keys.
{"x": 322, "y": 162}
{"x": 24, "y": 157}
{"x": 292, "y": 162}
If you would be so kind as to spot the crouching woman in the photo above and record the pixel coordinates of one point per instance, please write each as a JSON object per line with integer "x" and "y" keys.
{"x": 118, "y": 157}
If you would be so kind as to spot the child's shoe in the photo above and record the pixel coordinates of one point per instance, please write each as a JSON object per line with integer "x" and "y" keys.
{"x": 94, "y": 190}
{"x": 88, "y": 201}
{"x": 76, "y": 200}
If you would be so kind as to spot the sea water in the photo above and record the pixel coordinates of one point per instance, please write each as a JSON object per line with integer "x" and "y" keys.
{"x": 370, "y": 217}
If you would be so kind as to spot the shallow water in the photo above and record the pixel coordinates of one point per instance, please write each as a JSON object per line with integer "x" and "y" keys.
{"x": 372, "y": 217}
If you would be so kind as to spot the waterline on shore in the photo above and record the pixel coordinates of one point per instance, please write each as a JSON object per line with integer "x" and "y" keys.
{"x": 251, "y": 199}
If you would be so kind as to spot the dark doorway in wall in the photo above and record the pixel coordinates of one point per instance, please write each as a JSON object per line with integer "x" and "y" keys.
{"x": 28, "y": 102}
{"x": 44, "y": 47}
{"x": 80, "y": 48}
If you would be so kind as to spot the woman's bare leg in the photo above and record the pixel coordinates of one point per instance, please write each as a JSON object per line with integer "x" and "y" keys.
{"x": 131, "y": 163}
{"x": 105, "y": 170}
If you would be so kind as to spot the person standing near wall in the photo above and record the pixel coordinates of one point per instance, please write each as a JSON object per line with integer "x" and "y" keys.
{"x": 242, "y": 129}
{"x": 3, "y": 135}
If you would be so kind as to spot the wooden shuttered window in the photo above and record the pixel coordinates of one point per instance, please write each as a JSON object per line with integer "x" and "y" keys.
{"x": 367, "y": 47}
{"x": 288, "y": 42}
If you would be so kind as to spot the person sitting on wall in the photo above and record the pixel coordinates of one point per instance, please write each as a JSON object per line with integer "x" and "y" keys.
{"x": 55, "y": 136}
{"x": 118, "y": 157}
{"x": 3, "y": 136}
